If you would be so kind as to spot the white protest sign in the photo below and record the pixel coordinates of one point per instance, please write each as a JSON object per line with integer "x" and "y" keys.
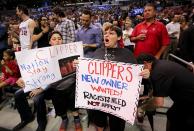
{"x": 108, "y": 86}
{"x": 42, "y": 66}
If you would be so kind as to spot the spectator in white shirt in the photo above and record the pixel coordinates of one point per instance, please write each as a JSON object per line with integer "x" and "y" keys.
{"x": 173, "y": 27}
{"x": 126, "y": 35}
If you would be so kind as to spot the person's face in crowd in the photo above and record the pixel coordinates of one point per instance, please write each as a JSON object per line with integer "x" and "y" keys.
{"x": 149, "y": 13}
{"x": 85, "y": 20}
{"x": 176, "y": 18}
{"x": 183, "y": 24}
{"x": 147, "y": 65}
{"x": 52, "y": 24}
{"x": 127, "y": 18}
{"x": 15, "y": 43}
{"x": 44, "y": 21}
{"x": 56, "y": 17}
{"x": 56, "y": 39}
{"x": 127, "y": 24}
{"x": 111, "y": 38}
{"x": 50, "y": 17}
{"x": 6, "y": 56}
{"x": 18, "y": 12}
{"x": 92, "y": 19}
{"x": 115, "y": 22}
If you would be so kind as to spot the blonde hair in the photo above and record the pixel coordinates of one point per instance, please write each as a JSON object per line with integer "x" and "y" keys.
{"x": 105, "y": 25}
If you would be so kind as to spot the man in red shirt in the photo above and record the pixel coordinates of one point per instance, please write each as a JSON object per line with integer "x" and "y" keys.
{"x": 150, "y": 35}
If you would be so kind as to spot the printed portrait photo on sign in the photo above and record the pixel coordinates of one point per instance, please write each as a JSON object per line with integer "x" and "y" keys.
{"x": 66, "y": 65}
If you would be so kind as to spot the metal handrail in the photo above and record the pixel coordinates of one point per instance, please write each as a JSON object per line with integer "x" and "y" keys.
{"x": 183, "y": 61}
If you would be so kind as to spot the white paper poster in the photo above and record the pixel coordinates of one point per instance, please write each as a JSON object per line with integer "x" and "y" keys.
{"x": 108, "y": 86}
{"x": 42, "y": 66}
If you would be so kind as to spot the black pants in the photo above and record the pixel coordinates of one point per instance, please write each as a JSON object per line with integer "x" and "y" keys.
{"x": 22, "y": 105}
{"x": 61, "y": 99}
{"x": 24, "y": 109}
{"x": 100, "y": 120}
{"x": 40, "y": 106}
{"x": 180, "y": 118}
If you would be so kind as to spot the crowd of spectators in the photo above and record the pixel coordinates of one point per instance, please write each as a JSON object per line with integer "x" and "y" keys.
{"x": 78, "y": 24}
{"x": 112, "y": 14}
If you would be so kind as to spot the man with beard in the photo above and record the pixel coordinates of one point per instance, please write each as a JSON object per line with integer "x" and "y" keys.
{"x": 150, "y": 36}
{"x": 26, "y": 27}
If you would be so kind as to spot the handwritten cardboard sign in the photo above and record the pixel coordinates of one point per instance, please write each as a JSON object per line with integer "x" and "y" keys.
{"x": 108, "y": 86}
{"x": 42, "y": 66}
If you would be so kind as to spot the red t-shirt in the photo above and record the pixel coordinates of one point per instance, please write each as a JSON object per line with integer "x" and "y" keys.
{"x": 13, "y": 66}
{"x": 156, "y": 37}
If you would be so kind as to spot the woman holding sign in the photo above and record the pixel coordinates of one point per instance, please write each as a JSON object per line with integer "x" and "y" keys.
{"x": 112, "y": 39}
{"x": 62, "y": 94}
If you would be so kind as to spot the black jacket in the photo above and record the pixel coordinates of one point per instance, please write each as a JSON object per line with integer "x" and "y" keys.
{"x": 115, "y": 54}
{"x": 186, "y": 44}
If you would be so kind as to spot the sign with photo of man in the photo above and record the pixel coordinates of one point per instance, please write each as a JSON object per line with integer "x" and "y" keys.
{"x": 42, "y": 66}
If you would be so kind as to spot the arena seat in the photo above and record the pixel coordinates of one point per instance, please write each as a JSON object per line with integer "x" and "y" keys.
{"x": 8, "y": 93}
